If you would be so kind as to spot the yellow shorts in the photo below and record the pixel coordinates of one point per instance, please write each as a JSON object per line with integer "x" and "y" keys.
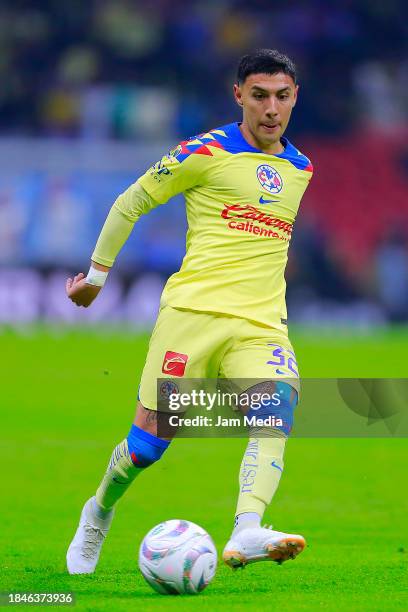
{"x": 193, "y": 344}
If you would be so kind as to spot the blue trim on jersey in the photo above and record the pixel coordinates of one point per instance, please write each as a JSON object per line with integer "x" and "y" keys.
{"x": 293, "y": 155}
{"x": 236, "y": 143}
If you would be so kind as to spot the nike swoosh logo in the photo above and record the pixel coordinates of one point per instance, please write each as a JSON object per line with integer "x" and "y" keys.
{"x": 279, "y": 371}
{"x": 273, "y": 464}
{"x": 118, "y": 481}
{"x": 263, "y": 201}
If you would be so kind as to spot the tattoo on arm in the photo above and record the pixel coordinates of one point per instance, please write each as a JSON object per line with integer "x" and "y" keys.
{"x": 151, "y": 416}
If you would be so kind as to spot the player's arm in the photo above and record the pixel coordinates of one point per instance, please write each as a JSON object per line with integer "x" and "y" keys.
{"x": 162, "y": 181}
{"x": 126, "y": 210}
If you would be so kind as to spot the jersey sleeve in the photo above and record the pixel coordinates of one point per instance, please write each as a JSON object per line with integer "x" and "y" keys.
{"x": 179, "y": 170}
{"x": 126, "y": 210}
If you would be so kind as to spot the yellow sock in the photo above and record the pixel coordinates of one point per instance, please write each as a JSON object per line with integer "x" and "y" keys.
{"x": 260, "y": 472}
{"x": 119, "y": 475}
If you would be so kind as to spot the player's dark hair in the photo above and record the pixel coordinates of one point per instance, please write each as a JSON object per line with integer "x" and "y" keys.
{"x": 265, "y": 61}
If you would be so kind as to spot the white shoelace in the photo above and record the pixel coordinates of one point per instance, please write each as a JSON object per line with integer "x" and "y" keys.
{"x": 92, "y": 542}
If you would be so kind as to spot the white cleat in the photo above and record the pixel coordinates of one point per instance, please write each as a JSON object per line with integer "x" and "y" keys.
{"x": 84, "y": 550}
{"x": 261, "y": 544}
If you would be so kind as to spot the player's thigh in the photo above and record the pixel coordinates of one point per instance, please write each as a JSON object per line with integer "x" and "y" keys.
{"x": 182, "y": 347}
{"x": 260, "y": 353}
{"x": 264, "y": 369}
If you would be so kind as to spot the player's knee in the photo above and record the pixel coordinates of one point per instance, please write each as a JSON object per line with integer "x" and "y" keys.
{"x": 145, "y": 448}
{"x": 276, "y": 409}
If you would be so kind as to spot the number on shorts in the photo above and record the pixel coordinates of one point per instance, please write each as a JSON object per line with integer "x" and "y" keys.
{"x": 284, "y": 358}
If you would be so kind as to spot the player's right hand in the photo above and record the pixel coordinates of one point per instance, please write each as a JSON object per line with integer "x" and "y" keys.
{"x": 80, "y": 292}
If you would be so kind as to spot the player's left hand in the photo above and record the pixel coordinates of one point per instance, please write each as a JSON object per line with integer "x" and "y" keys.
{"x": 80, "y": 292}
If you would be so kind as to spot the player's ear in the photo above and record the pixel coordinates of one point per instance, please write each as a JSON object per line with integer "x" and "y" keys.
{"x": 295, "y": 95}
{"x": 238, "y": 94}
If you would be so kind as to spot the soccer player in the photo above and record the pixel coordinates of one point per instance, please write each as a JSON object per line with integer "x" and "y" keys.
{"x": 223, "y": 314}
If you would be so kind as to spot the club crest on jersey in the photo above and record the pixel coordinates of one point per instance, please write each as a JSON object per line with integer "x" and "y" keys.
{"x": 167, "y": 388}
{"x": 174, "y": 363}
{"x": 269, "y": 178}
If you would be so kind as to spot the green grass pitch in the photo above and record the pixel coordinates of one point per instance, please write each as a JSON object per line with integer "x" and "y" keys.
{"x": 68, "y": 396}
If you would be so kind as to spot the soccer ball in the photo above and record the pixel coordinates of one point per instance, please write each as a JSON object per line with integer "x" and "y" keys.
{"x": 178, "y": 557}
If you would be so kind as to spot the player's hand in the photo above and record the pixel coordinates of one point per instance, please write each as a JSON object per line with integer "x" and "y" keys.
{"x": 80, "y": 292}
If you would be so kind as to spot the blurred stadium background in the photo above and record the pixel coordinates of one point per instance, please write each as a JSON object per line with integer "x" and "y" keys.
{"x": 94, "y": 92}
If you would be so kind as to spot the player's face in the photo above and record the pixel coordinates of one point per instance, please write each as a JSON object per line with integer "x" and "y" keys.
{"x": 267, "y": 101}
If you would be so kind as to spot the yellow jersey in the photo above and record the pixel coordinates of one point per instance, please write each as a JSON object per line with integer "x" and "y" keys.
{"x": 241, "y": 204}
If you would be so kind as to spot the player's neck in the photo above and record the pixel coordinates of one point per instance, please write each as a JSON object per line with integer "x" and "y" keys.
{"x": 272, "y": 149}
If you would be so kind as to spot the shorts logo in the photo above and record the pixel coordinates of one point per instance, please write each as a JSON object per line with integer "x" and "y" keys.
{"x": 174, "y": 363}
{"x": 269, "y": 178}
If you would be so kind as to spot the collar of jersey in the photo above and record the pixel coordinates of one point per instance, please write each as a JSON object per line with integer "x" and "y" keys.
{"x": 234, "y": 132}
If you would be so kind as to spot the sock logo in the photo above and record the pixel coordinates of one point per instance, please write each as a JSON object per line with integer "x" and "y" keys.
{"x": 278, "y": 467}
{"x": 249, "y": 467}
{"x": 118, "y": 481}
{"x": 174, "y": 363}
